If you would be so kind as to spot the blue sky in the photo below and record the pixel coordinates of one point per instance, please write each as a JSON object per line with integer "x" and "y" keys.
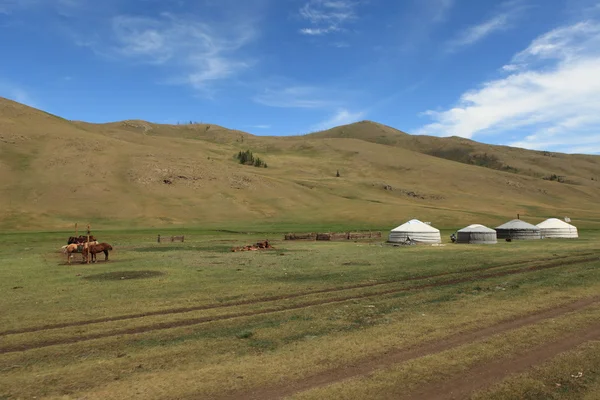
{"x": 518, "y": 72}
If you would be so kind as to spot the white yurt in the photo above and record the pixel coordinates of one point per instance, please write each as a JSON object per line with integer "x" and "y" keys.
{"x": 476, "y": 234}
{"x": 416, "y": 230}
{"x": 518, "y": 230}
{"x": 556, "y": 228}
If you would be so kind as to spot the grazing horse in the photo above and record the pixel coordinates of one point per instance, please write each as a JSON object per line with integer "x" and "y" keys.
{"x": 74, "y": 248}
{"x": 97, "y": 248}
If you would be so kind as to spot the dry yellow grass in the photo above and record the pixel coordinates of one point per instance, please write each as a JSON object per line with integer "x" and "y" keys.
{"x": 56, "y": 172}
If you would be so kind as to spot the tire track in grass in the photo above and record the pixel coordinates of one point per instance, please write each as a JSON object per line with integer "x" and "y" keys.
{"x": 201, "y": 320}
{"x": 484, "y": 375}
{"x": 182, "y": 310}
{"x": 364, "y": 367}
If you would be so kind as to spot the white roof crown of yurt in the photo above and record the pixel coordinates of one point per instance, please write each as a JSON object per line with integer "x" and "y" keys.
{"x": 476, "y": 234}
{"x": 416, "y": 230}
{"x": 555, "y": 228}
{"x": 518, "y": 229}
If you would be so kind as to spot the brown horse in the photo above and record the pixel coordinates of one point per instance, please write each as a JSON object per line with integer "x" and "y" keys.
{"x": 80, "y": 239}
{"x": 74, "y": 248}
{"x": 97, "y": 248}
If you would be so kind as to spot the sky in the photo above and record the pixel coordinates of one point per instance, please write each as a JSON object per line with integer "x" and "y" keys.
{"x": 523, "y": 73}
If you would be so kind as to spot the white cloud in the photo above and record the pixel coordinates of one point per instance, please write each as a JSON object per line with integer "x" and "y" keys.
{"x": 552, "y": 92}
{"x": 475, "y": 33}
{"x": 318, "y": 31}
{"x": 261, "y": 126}
{"x": 327, "y": 16}
{"x": 502, "y": 20}
{"x": 341, "y": 117}
{"x": 206, "y": 53}
{"x": 295, "y": 97}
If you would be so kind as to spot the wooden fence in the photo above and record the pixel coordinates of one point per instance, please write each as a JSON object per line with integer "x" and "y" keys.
{"x": 334, "y": 236}
{"x": 161, "y": 239}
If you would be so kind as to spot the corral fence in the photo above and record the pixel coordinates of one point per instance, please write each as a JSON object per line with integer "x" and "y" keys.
{"x": 334, "y": 236}
{"x": 161, "y": 239}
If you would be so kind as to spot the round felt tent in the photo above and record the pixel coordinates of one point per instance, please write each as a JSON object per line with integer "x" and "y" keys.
{"x": 476, "y": 234}
{"x": 415, "y": 230}
{"x": 518, "y": 230}
{"x": 555, "y": 228}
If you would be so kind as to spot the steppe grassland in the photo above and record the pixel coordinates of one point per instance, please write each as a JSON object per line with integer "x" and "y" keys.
{"x": 281, "y": 336}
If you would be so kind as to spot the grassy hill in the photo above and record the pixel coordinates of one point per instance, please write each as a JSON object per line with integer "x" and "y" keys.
{"x": 138, "y": 174}
{"x": 577, "y": 169}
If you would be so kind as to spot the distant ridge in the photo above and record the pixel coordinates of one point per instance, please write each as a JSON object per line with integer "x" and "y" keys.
{"x": 135, "y": 173}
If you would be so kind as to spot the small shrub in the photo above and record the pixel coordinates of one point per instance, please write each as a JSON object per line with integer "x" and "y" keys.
{"x": 555, "y": 177}
{"x": 247, "y": 158}
{"x": 246, "y": 334}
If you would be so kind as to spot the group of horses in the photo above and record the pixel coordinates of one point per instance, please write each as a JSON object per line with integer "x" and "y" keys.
{"x": 79, "y": 244}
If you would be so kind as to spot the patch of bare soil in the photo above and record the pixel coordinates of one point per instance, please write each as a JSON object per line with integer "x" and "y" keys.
{"x": 367, "y": 366}
{"x": 123, "y": 275}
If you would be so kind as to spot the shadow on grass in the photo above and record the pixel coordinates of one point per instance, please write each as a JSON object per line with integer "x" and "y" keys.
{"x": 124, "y": 275}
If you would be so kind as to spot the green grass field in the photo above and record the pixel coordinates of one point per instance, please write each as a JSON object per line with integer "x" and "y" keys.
{"x": 309, "y": 320}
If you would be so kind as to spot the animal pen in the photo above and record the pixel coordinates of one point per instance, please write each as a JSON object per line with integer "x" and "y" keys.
{"x": 333, "y": 236}
{"x": 161, "y": 239}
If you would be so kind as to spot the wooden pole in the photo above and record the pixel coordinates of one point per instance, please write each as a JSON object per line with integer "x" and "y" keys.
{"x": 76, "y": 229}
{"x": 88, "y": 244}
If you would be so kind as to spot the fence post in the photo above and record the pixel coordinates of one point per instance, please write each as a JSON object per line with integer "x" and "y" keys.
{"x": 182, "y": 238}
{"x": 158, "y": 238}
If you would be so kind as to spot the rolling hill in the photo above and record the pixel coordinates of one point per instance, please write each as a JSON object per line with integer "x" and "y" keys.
{"x": 138, "y": 174}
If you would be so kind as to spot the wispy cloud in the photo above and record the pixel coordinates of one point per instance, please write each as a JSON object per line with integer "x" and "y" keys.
{"x": 327, "y": 16}
{"x": 265, "y": 126}
{"x": 416, "y": 27}
{"x": 18, "y": 94}
{"x": 206, "y": 53}
{"x": 475, "y": 33}
{"x": 296, "y": 97}
{"x": 501, "y": 20}
{"x": 439, "y": 9}
{"x": 551, "y": 91}
{"x": 341, "y": 117}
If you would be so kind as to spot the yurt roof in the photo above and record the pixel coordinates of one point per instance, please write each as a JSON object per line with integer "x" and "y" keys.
{"x": 517, "y": 224}
{"x": 554, "y": 223}
{"x": 477, "y": 228}
{"x": 414, "y": 225}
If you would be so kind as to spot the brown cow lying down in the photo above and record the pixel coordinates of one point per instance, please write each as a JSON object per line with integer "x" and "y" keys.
{"x": 97, "y": 248}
